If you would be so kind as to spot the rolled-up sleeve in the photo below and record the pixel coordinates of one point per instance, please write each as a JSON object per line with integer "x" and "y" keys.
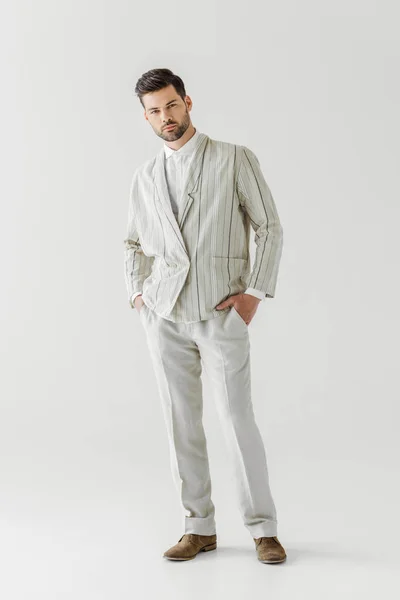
{"x": 256, "y": 199}
{"x": 137, "y": 265}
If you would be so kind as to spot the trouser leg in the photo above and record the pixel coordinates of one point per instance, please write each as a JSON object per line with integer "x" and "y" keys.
{"x": 177, "y": 367}
{"x": 225, "y": 352}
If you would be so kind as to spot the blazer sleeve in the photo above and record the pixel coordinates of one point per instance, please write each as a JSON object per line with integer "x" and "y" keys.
{"x": 137, "y": 264}
{"x": 257, "y": 201}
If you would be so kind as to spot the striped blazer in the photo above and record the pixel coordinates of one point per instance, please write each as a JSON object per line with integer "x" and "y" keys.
{"x": 185, "y": 266}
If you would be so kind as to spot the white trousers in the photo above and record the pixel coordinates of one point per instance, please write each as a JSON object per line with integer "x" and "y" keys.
{"x": 221, "y": 346}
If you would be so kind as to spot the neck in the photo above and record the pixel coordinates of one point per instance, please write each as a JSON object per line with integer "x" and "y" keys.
{"x": 189, "y": 133}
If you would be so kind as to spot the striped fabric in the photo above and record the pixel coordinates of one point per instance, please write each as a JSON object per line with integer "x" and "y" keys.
{"x": 186, "y": 265}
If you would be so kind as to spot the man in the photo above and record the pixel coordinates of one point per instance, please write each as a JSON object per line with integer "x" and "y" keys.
{"x": 187, "y": 272}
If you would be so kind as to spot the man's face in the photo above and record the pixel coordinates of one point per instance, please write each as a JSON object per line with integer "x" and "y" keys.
{"x": 166, "y": 107}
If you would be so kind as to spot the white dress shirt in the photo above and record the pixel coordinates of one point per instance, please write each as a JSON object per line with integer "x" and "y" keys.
{"x": 176, "y": 163}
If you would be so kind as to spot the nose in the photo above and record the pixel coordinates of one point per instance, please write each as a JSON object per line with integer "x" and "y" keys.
{"x": 166, "y": 117}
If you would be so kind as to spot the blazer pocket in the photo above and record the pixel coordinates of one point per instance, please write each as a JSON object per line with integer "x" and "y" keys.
{"x": 165, "y": 269}
{"x": 230, "y": 274}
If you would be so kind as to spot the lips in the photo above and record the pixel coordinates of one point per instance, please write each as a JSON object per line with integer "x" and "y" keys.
{"x": 170, "y": 127}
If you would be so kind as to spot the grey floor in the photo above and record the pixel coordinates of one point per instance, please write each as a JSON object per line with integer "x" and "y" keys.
{"x": 100, "y": 535}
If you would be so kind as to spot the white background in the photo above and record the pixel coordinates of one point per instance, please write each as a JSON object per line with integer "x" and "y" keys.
{"x": 87, "y": 503}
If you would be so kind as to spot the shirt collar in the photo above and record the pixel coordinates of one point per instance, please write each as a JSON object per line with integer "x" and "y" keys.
{"x": 185, "y": 149}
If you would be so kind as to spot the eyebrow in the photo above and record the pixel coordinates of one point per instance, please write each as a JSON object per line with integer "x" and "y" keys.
{"x": 170, "y": 102}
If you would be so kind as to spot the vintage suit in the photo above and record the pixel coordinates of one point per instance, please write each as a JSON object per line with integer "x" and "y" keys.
{"x": 184, "y": 266}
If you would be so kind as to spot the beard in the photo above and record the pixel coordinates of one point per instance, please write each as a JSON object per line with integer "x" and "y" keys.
{"x": 177, "y": 132}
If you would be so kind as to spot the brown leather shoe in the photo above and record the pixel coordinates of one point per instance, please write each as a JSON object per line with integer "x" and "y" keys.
{"x": 269, "y": 550}
{"x": 190, "y": 545}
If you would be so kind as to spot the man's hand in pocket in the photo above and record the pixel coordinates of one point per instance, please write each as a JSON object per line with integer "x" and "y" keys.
{"x": 138, "y": 302}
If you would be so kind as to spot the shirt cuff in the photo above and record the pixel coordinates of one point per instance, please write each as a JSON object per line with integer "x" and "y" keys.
{"x": 254, "y": 292}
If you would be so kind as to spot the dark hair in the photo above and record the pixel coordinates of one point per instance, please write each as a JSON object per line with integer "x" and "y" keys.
{"x": 156, "y": 79}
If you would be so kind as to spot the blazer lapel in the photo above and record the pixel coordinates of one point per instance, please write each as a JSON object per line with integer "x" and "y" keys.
{"x": 192, "y": 177}
{"x": 190, "y": 182}
{"x": 162, "y": 194}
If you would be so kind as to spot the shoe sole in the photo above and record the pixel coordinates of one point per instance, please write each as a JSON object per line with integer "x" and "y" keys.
{"x": 272, "y": 562}
{"x": 205, "y": 549}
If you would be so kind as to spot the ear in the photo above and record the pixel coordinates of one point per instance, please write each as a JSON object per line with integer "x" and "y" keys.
{"x": 189, "y": 102}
